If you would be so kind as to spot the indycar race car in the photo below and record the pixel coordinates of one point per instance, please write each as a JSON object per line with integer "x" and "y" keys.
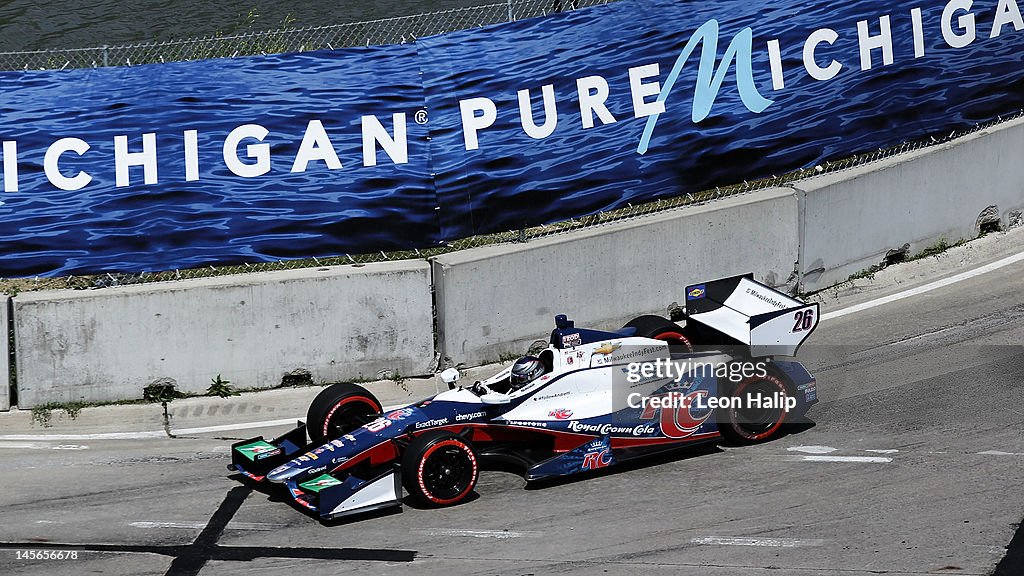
{"x": 590, "y": 400}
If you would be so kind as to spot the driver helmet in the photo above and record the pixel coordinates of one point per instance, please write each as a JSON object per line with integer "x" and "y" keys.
{"x": 526, "y": 370}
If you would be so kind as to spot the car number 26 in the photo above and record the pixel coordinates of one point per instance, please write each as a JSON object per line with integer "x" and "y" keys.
{"x": 803, "y": 320}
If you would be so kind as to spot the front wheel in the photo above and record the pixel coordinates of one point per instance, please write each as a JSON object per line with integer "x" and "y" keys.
{"x": 340, "y": 409}
{"x": 757, "y": 411}
{"x": 439, "y": 468}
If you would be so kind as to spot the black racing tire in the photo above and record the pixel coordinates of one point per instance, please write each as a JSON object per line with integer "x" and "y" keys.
{"x": 440, "y": 468}
{"x": 747, "y": 424}
{"x": 340, "y": 409}
{"x": 651, "y": 326}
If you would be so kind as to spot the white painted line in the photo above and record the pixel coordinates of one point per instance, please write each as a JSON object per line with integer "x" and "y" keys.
{"x": 812, "y": 449}
{"x": 101, "y": 436}
{"x": 1000, "y": 453}
{"x": 40, "y": 446}
{"x": 151, "y": 433}
{"x": 869, "y": 459}
{"x": 239, "y": 426}
{"x": 200, "y": 525}
{"x": 498, "y": 534}
{"x": 884, "y": 451}
{"x": 926, "y": 287}
{"x": 765, "y": 542}
{"x": 161, "y": 433}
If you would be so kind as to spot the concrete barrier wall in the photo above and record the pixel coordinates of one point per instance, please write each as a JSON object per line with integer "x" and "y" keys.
{"x": 5, "y": 369}
{"x": 496, "y": 300}
{"x": 336, "y": 323}
{"x": 851, "y": 219}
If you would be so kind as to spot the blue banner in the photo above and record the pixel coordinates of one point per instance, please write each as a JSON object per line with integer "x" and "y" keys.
{"x": 382, "y": 148}
{"x": 178, "y": 165}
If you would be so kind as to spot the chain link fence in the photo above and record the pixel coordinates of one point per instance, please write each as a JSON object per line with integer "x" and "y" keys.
{"x": 388, "y": 31}
{"x": 375, "y": 32}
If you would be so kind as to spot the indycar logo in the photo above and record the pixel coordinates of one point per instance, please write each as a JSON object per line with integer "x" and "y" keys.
{"x": 696, "y": 293}
{"x": 597, "y": 459}
{"x": 561, "y": 414}
{"x": 682, "y": 421}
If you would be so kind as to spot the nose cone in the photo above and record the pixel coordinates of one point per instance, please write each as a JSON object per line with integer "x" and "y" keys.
{"x": 283, "y": 473}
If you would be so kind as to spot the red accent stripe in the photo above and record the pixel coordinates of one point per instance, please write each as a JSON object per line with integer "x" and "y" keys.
{"x": 566, "y": 440}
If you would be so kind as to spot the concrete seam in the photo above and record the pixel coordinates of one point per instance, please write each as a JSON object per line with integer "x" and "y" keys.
{"x": 434, "y": 327}
{"x": 801, "y": 207}
{"x": 437, "y": 302}
{"x": 12, "y": 365}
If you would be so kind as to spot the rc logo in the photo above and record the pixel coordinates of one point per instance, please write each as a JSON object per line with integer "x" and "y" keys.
{"x": 597, "y": 459}
{"x": 684, "y": 420}
{"x": 561, "y": 414}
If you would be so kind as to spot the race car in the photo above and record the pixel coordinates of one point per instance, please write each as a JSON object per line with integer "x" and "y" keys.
{"x": 591, "y": 399}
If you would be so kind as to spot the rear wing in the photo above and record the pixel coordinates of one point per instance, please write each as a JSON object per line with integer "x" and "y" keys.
{"x": 767, "y": 321}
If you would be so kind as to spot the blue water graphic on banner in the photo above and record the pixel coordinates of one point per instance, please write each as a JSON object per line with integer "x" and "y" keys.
{"x": 409, "y": 146}
{"x": 220, "y": 216}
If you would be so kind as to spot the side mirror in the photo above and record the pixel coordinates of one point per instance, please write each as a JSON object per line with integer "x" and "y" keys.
{"x": 450, "y": 377}
{"x": 494, "y": 399}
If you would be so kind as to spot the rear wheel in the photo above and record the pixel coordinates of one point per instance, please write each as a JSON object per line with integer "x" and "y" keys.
{"x": 439, "y": 468}
{"x": 651, "y": 326}
{"x": 340, "y": 409}
{"x": 758, "y": 412}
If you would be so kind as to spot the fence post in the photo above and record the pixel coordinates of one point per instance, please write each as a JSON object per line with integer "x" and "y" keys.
{"x": 105, "y": 61}
{"x": 510, "y": 17}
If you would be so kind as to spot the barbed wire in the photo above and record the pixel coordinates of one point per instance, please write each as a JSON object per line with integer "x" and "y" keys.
{"x": 389, "y": 31}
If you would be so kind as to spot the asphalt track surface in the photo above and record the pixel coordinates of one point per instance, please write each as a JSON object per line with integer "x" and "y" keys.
{"x": 914, "y": 465}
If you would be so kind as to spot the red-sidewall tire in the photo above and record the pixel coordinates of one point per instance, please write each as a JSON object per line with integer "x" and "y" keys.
{"x": 651, "y": 326}
{"x": 339, "y": 409}
{"x": 752, "y": 425}
{"x": 440, "y": 468}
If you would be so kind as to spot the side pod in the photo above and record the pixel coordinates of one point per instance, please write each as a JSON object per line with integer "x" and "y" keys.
{"x": 590, "y": 455}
